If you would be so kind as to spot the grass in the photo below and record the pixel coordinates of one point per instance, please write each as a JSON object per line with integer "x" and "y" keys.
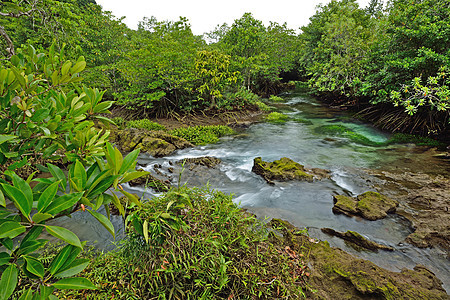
{"x": 200, "y": 246}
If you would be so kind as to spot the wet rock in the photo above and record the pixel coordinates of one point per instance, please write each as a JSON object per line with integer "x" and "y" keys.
{"x": 286, "y": 169}
{"x": 155, "y": 143}
{"x": 369, "y": 205}
{"x": 336, "y": 274}
{"x": 206, "y": 161}
{"x": 357, "y": 239}
{"x": 424, "y": 202}
{"x": 151, "y": 181}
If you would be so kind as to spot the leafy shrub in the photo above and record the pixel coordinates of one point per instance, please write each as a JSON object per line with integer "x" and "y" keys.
{"x": 201, "y": 135}
{"x": 145, "y": 124}
{"x": 274, "y": 98}
{"x": 195, "y": 244}
{"x": 276, "y": 117}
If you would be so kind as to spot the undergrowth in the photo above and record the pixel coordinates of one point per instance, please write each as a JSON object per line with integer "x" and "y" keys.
{"x": 195, "y": 244}
{"x": 202, "y": 135}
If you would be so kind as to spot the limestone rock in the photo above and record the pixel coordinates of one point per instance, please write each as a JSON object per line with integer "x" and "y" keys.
{"x": 369, "y": 205}
{"x": 357, "y": 239}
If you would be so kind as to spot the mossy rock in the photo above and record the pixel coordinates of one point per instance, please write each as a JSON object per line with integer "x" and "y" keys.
{"x": 276, "y": 117}
{"x": 206, "y": 161}
{"x": 336, "y": 274}
{"x": 284, "y": 169}
{"x": 374, "y": 206}
{"x": 155, "y": 143}
{"x": 369, "y": 205}
{"x": 357, "y": 239}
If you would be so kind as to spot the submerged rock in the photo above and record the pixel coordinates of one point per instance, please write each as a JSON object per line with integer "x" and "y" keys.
{"x": 357, "y": 239}
{"x": 336, "y": 274}
{"x": 154, "y": 143}
{"x": 369, "y": 205}
{"x": 286, "y": 169}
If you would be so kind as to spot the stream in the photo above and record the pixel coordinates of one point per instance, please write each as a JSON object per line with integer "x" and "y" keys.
{"x": 304, "y": 204}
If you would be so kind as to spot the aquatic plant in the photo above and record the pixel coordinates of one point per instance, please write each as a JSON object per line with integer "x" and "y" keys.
{"x": 340, "y": 130}
{"x": 276, "y": 117}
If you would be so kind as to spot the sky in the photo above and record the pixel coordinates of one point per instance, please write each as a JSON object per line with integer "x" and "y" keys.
{"x": 205, "y": 15}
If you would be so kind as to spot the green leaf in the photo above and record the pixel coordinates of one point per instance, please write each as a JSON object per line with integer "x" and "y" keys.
{"x": 27, "y": 295}
{"x": 46, "y": 291}
{"x": 34, "y": 266}
{"x": 101, "y": 186}
{"x": 8, "y": 243}
{"x": 132, "y": 198}
{"x": 2, "y": 199}
{"x": 78, "y": 67}
{"x": 11, "y": 229}
{"x": 4, "y": 258}
{"x": 104, "y": 221}
{"x": 77, "y": 283}
{"x": 8, "y": 282}
{"x": 133, "y": 175}
{"x": 23, "y": 186}
{"x": 65, "y": 68}
{"x": 62, "y": 203}
{"x": 117, "y": 204}
{"x": 58, "y": 174}
{"x": 30, "y": 246}
{"x": 80, "y": 175}
{"x": 4, "y": 138}
{"x": 40, "y": 217}
{"x": 129, "y": 161}
{"x": 19, "y": 199}
{"x": 47, "y": 196}
{"x": 145, "y": 230}
{"x": 73, "y": 269}
{"x": 65, "y": 235}
{"x": 60, "y": 259}
{"x": 33, "y": 234}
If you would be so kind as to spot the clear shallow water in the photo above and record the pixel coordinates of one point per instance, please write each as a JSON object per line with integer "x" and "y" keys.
{"x": 306, "y": 204}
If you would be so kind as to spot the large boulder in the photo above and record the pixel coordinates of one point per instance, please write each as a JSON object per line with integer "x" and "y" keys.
{"x": 285, "y": 169}
{"x": 154, "y": 143}
{"x": 369, "y": 205}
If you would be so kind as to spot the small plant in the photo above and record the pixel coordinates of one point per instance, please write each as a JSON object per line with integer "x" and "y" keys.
{"x": 262, "y": 106}
{"x": 202, "y": 135}
{"x": 276, "y": 117}
{"x": 145, "y": 124}
{"x": 274, "y": 98}
{"x": 119, "y": 122}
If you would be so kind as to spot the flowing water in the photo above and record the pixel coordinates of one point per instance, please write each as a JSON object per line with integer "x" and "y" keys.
{"x": 306, "y": 204}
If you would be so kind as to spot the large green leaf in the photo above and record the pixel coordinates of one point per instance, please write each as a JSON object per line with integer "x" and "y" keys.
{"x": 77, "y": 283}
{"x": 133, "y": 175}
{"x": 99, "y": 187}
{"x": 8, "y": 282}
{"x": 129, "y": 161}
{"x": 47, "y": 196}
{"x": 65, "y": 235}
{"x": 19, "y": 199}
{"x": 23, "y": 186}
{"x": 11, "y": 229}
{"x": 27, "y": 295}
{"x": 33, "y": 234}
{"x": 4, "y": 138}
{"x": 60, "y": 259}
{"x": 80, "y": 175}
{"x": 30, "y": 246}
{"x": 46, "y": 291}
{"x": 104, "y": 221}
{"x": 4, "y": 258}
{"x": 58, "y": 174}
{"x": 2, "y": 199}
{"x": 74, "y": 268}
{"x": 34, "y": 266}
{"x": 62, "y": 203}
{"x": 40, "y": 217}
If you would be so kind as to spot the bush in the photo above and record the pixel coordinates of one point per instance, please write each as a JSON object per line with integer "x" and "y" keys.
{"x": 202, "y": 135}
{"x": 195, "y": 244}
{"x": 145, "y": 124}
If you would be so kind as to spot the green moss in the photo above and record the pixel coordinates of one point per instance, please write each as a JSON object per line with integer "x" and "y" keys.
{"x": 202, "y": 135}
{"x": 274, "y": 98}
{"x": 145, "y": 124}
{"x": 403, "y": 138}
{"x": 345, "y": 203}
{"x": 303, "y": 121}
{"x": 262, "y": 106}
{"x": 340, "y": 130}
{"x": 282, "y": 169}
{"x": 276, "y": 117}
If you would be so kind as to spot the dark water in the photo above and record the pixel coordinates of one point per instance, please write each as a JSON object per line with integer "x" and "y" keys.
{"x": 306, "y": 204}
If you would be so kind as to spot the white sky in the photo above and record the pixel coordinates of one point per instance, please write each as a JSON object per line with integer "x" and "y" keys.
{"x": 204, "y": 15}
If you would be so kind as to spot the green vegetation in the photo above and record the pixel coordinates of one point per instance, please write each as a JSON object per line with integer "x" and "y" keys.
{"x": 403, "y": 138}
{"x": 202, "y": 135}
{"x": 194, "y": 244}
{"x": 276, "y": 117}
{"x": 340, "y": 130}
{"x": 145, "y": 124}
{"x": 274, "y": 98}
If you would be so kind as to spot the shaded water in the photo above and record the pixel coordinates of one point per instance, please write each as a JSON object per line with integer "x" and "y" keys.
{"x": 306, "y": 204}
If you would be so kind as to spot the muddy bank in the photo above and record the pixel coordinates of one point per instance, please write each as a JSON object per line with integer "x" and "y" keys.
{"x": 335, "y": 274}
